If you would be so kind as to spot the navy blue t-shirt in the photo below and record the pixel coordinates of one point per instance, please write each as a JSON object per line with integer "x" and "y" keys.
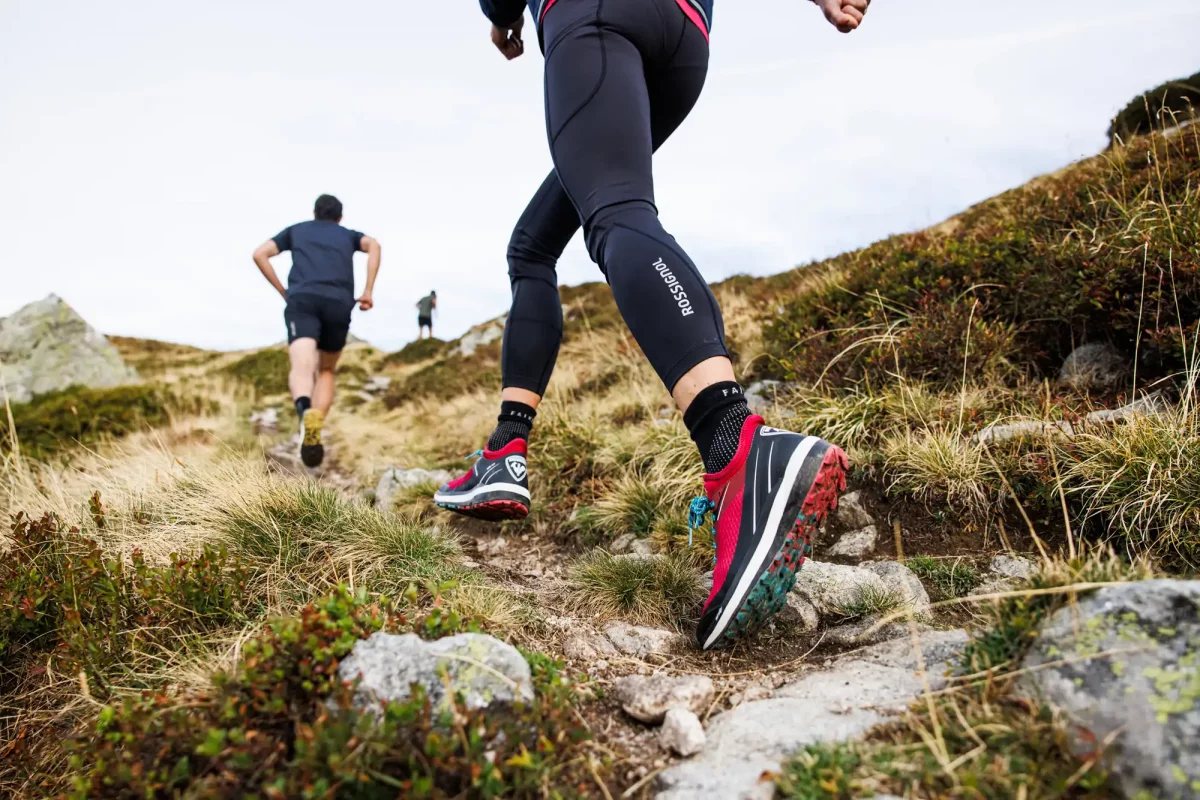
{"x": 322, "y": 258}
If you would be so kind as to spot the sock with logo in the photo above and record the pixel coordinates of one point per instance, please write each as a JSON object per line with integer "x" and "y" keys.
{"x": 303, "y": 404}
{"x": 515, "y": 422}
{"x": 714, "y": 419}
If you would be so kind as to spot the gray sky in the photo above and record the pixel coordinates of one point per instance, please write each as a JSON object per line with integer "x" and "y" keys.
{"x": 146, "y": 147}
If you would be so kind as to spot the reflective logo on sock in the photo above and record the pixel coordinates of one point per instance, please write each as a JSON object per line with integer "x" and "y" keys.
{"x": 516, "y": 466}
{"x": 675, "y": 287}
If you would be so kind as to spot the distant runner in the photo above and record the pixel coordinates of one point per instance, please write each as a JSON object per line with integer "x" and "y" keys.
{"x": 425, "y": 307}
{"x": 320, "y": 297}
{"x": 620, "y": 76}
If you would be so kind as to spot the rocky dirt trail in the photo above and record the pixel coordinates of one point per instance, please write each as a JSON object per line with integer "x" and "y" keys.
{"x": 679, "y": 723}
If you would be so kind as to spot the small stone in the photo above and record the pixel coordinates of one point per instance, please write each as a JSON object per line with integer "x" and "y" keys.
{"x": 377, "y": 384}
{"x": 994, "y": 586}
{"x": 265, "y": 420}
{"x": 1011, "y": 566}
{"x": 395, "y": 479}
{"x": 706, "y": 580}
{"x": 682, "y": 732}
{"x": 641, "y": 547}
{"x": 484, "y": 670}
{"x": 830, "y": 588}
{"x": 636, "y": 640}
{"x": 855, "y": 544}
{"x": 648, "y": 698}
{"x": 587, "y": 647}
{"x": 864, "y": 632}
{"x": 622, "y": 543}
{"x": 851, "y": 515}
{"x": 1096, "y": 365}
{"x": 760, "y": 396}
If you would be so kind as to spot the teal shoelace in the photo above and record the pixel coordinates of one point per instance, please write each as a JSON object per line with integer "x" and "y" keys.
{"x": 699, "y": 508}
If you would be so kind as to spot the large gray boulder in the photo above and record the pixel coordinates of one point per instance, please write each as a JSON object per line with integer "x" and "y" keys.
{"x": 854, "y": 695}
{"x": 1125, "y": 663}
{"x": 47, "y": 346}
{"x": 483, "y": 669}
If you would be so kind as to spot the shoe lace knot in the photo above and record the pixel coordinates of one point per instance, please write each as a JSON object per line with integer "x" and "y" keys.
{"x": 699, "y": 508}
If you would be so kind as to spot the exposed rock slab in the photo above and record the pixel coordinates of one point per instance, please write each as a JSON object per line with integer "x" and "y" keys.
{"x": 853, "y": 696}
{"x": 1017, "y": 568}
{"x": 902, "y": 583}
{"x": 483, "y": 669}
{"x": 1147, "y": 696}
{"x": 46, "y": 346}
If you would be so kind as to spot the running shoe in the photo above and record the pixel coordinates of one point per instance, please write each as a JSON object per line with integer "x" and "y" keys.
{"x": 496, "y": 488}
{"x": 769, "y": 502}
{"x": 312, "y": 452}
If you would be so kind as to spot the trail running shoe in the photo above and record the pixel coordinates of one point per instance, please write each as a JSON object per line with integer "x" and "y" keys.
{"x": 769, "y": 501}
{"x": 312, "y": 452}
{"x": 496, "y": 488}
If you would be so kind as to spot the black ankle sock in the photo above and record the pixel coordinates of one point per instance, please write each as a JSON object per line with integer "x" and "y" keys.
{"x": 303, "y": 404}
{"x": 515, "y": 422}
{"x": 714, "y": 419}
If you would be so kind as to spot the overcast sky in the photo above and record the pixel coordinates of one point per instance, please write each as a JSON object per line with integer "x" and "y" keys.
{"x": 147, "y": 147}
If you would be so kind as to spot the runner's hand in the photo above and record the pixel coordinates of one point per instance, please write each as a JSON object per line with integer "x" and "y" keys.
{"x": 845, "y": 15}
{"x": 508, "y": 40}
{"x": 365, "y": 302}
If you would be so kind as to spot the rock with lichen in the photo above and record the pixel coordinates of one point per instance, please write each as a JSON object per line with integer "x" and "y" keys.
{"x": 1123, "y": 665}
{"x": 46, "y": 346}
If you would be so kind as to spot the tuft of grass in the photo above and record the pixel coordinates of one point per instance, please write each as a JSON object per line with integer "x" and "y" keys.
{"x": 940, "y": 465}
{"x": 868, "y": 601}
{"x": 950, "y": 578}
{"x": 1141, "y": 480}
{"x": 654, "y": 590}
{"x": 266, "y": 371}
{"x": 305, "y": 537}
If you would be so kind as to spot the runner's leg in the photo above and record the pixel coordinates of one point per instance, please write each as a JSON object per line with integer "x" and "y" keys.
{"x": 322, "y": 397}
{"x": 302, "y": 353}
{"x": 611, "y": 68}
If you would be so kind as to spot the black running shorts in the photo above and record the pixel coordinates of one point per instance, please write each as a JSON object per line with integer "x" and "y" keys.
{"x": 425, "y": 322}
{"x": 311, "y": 316}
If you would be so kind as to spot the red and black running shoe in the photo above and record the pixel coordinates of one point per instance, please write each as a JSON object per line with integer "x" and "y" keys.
{"x": 496, "y": 488}
{"x": 769, "y": 501}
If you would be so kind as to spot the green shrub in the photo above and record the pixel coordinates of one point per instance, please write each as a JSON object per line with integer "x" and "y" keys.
{"x": 1012, "y": 285}
{"x": 266, "y": 371}
{"x": 415, "y": 352}
{"x": 60, "y": 594}
{"x": 449, "y": 376}
{"x": 58, "y": 420}
{"x": 1156, "y": 109}
{"x": 267, "y": 730}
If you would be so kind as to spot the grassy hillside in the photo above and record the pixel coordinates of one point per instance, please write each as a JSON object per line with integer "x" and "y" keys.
{"x": 172, "y": 624}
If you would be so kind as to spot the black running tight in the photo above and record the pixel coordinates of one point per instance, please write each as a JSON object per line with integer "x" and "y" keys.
{"x": 621, "y": 75}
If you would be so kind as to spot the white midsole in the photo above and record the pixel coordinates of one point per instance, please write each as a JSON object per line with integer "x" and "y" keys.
{"x": 459, "y": 497}
{"x": 766, "y": 542}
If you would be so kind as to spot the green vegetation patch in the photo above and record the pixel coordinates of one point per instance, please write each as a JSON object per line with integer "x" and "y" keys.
{"x": 449, "y": 377}
{"x": 266, "y": 729}
{"x": 266, "y": 371}
{"x": 1162, "y": 107}
{"x": 66, "y": 604}
{"x": 415, "y": 352}
{"x": 55, "y": 421}
{"x": 1012, "y": 285}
